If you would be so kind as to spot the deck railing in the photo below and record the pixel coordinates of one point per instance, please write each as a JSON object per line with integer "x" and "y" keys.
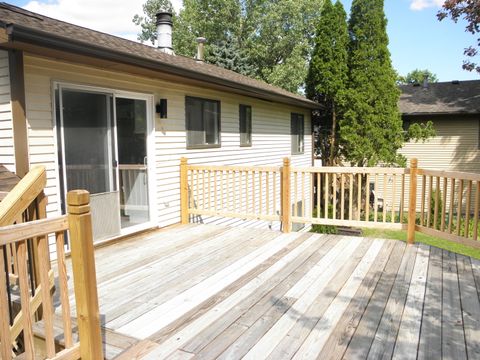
{"x": 433, "y": 202}
{"x": 30, "y": 298}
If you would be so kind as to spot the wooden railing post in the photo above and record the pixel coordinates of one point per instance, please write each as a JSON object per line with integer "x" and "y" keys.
{"x": 183, "y": 191}
{"x": 84, "y": 275}
{"x": 286, "y": 200}
{"x": 412, "y": 202}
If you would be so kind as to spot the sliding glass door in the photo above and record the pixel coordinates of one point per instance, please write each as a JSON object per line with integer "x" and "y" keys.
{"x": 132, "y": 135}
{"x": 103, "y": 149}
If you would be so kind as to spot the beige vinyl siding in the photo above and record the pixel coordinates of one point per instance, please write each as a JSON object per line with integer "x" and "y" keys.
{"x": 7, "y": 151}
{"x": 455, "y": 147}
{"x": 270, "y": 129}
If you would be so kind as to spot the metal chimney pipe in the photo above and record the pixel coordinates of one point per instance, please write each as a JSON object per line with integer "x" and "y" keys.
{"x": 425, "y": 82}
{"x": 164, "y": 31}
{"x": 201, "y": 49}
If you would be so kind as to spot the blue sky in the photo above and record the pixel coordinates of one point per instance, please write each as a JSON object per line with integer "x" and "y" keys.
{"x": 417, "y": 38}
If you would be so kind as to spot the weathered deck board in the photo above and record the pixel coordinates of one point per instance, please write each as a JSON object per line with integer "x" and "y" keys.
{"x": 207, "y": 292}
{"x": 453, "y": 337}
{"x": 431, "y": 330}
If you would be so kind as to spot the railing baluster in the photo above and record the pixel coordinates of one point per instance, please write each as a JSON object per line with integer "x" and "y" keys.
{"x": 444, "y": 204}
{"x": 203, "y": 189}
{"x": 254, "y": 200}
{"x": 47, "y": 305}
{"x": 295, "y": 193}
{"x": 385, "y": 179}
{"x": 209, "y": 176}
{"x": 350, "y": 200}
{"x": 459, "y": 205}
{"x": 342, "y": 196}
{"x": 334, "y": 196}
{"x": 359, "y": 196}
{"x": 326, "y": 196}
{"x": 25, "y": 299}
{"x": 274, "y": 192}
{"x": 375, "y": 210}
{"x": 190, "y": 191}
{"x": 312, "y": 199}
{"x": 402, "y": 198}
{"x": 367, "y": 198}
{"x": 394, "y": 195}
{"x": 303, "y": 194}
{"x": 437, "y": 201}
{"x": 5, "y": 345}
{"x": 429, "y": 207}
{"x": 260, "y": 191}
{"x": 197, "y": 187}
{"x": 319, "y": 183}
{"x": 452, "y": 200}
{"x": 467, "y": 208}
{"x": 215, "y": 190}
{"x": 422, "y": 205}
{"x": 267, "y": 185}
{"x": 476, "y": 214}
{"x": 63, "y": 285}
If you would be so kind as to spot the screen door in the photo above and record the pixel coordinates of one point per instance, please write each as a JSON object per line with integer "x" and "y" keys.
{"x": 89, "y": 158}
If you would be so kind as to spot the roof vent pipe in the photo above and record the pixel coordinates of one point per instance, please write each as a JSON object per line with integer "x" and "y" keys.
{"x": 425, "y": 82}
{"x": 164, "y": 31}
{"x": 200, "y": 49}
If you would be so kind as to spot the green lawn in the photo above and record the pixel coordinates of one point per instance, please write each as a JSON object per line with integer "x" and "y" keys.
{"x": 423, "y": 238}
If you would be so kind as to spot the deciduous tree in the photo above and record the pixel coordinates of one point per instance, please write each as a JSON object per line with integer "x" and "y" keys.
{"x": 468, "y": 10}
{"x": 417, "y": 76}
{"x": 275, "y": 35}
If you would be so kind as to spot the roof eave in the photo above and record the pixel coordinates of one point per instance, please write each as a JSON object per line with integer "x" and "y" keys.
{"x": 28, "y": 35}
{"x": 439, "y": 113}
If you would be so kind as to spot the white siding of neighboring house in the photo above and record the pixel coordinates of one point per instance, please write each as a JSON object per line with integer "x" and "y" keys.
{"x": 271, "y": 128}
{"x": 7, "y": 151}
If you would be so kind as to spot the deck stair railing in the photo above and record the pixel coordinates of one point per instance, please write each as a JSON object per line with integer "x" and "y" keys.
{"x": 17, "y": 337}
{"x": 444, "y": 204}
{"x": 24, "y": 202}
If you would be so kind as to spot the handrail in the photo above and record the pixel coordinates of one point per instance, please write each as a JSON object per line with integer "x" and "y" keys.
{"x": 22, "y": 195}
{"x": 78, "y": 223}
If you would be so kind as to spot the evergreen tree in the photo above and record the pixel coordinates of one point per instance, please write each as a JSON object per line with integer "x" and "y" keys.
{"x": 371, "y": 129}
{"x": 229, "y": 56}
{"x": 327, "y": 75}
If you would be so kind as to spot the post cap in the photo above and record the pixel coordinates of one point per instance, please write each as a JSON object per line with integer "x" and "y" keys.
{"x": 78, "y": 197}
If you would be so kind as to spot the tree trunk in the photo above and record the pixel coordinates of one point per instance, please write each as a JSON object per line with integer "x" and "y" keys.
{"x": 332, "y": 136}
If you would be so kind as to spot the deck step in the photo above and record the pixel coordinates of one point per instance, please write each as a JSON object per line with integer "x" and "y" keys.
{"x": 113, "y": 343}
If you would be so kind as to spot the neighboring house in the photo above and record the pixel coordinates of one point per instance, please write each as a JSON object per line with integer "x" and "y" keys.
{"x": 454, "y": 109}
{"x": 115, "y": 117}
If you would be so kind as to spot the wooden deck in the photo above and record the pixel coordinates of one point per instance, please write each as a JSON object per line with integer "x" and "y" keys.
{"x": 208, "y": 292}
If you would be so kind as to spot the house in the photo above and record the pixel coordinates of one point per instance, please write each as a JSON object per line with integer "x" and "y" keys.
{"x": 454, "y": 109}
{"x": 114, "y": 117}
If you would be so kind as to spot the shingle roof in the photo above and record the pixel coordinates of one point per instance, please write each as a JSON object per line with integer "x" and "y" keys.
{"x": 19, "y": 21}
{"x": 456, "y": 97}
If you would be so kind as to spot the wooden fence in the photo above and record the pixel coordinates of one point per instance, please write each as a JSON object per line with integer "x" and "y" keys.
{"x": 16, "y": 326}
{"x": 444, "y": 204}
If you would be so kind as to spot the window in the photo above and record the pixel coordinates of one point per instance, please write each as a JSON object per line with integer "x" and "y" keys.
{"x": 245, "y": 117}
{"x": 298, "y": 130}
{"x": 202, "y": 122}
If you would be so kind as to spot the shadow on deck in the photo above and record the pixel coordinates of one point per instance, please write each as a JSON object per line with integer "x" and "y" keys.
{"x": 213, "y": 292}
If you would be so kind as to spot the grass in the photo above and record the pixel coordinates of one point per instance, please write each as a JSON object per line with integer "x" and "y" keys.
{"x": 423, "y": 238}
